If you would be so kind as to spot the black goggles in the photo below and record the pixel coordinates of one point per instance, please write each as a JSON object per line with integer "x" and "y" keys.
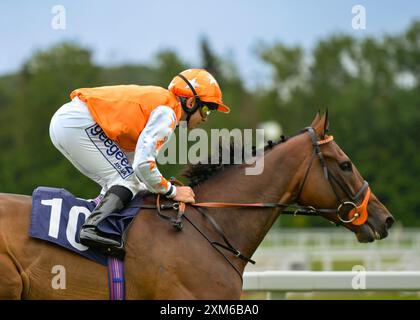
{"x": 207, "y": 108}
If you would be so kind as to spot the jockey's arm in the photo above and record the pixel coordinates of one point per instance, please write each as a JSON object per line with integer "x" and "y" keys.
{"x": 156, "y": 133}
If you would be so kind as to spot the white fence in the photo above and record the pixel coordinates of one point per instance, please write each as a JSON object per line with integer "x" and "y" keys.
{"x": 330, "y": 249}
{"x": 278, "y": 283}
{"x": 330, "y": 238}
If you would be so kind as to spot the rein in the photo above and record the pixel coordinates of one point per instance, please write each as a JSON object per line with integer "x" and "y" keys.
{"x": 357, "y": 215}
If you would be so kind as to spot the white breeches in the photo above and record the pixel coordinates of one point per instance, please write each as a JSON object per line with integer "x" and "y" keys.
{"x": 76, "y": 135}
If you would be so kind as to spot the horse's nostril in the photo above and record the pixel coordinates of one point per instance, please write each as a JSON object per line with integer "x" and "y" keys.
{"x": 389, "y": 222}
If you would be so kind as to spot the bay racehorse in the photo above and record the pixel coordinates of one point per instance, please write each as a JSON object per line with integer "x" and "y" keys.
{"x": 308, "y": 169}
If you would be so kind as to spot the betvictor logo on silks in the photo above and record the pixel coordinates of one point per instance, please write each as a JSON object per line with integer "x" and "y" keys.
{"x": 110, "y": 150}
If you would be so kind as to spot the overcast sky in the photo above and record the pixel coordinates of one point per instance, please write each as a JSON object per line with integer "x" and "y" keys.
{"x": 132, "y": 31}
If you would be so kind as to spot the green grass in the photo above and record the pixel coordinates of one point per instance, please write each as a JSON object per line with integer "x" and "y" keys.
{"x": 354, "y": 295}
{"x": 336, "y": 265}
{"x": 338, "y": 295}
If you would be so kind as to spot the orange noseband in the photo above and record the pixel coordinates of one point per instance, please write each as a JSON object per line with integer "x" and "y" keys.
{"x": 361, "y": 210}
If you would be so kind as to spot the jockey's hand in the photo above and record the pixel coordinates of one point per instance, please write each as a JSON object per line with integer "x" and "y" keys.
{"x": 184, "y": 194}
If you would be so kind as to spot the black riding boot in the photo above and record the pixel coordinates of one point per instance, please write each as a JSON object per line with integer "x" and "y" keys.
{"x": 113, "y": 202}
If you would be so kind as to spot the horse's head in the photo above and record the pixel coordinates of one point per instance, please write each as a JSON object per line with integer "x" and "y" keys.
{"x": 332, "y": 184}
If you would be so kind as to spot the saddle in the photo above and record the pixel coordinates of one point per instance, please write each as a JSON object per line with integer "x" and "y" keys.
{"x": 57, "y": 217}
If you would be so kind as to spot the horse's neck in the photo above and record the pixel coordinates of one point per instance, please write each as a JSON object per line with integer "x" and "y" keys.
{"x": 278, "y": 182}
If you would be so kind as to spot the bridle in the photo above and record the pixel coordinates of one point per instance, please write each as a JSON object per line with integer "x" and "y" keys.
{"x": 357, "y": 215}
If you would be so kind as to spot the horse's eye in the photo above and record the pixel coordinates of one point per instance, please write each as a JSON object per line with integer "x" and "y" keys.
{"x": 346, "y": 166}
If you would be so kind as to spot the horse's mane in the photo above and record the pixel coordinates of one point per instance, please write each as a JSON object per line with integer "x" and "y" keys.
{"x": 197, "y": 173}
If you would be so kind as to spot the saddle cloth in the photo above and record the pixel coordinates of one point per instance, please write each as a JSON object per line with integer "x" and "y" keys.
{"x": 57, "y": 216}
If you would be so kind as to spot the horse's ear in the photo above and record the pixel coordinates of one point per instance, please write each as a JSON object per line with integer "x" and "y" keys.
{"x": 326, "y": 123}
{"x": 316, "y": 119}
{"x": 321, "y": 126}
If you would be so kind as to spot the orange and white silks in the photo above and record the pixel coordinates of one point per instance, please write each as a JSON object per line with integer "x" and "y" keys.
{"x": 123, "y": 111}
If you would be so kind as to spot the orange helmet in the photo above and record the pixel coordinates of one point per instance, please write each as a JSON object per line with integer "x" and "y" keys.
{"x": 200, "y": 83}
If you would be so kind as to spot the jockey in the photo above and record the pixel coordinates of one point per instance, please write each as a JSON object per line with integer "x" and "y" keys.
{"x": 113, "y": 135}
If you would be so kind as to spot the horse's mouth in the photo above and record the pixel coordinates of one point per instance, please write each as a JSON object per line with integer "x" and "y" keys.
{"x": 367, "y": 233}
